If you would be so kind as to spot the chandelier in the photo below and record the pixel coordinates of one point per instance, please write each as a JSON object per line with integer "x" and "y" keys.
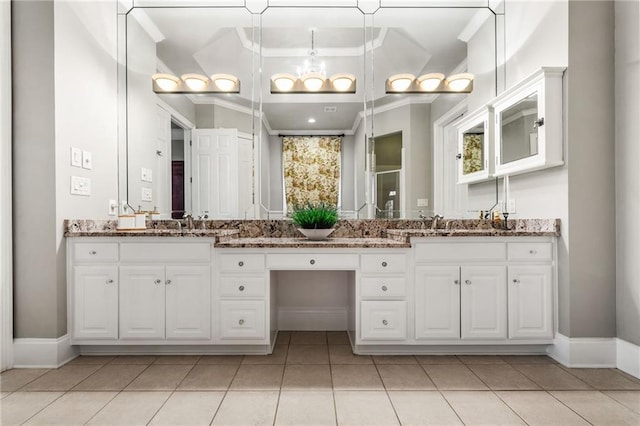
{"x": 312, "y": 78}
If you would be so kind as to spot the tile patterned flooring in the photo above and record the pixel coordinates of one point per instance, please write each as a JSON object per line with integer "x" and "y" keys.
{"x": 312, "y": 378}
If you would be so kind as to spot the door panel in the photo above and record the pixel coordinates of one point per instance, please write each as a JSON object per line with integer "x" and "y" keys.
{"x": 483, "y": 302}
{"x": 188, "y": 293}
{"x": 142, "y": 302}
{"x": 437, "y": 302}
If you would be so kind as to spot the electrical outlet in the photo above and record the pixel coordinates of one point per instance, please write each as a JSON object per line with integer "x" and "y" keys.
{"x": 423, "y": 202}
{"x": 80, "y": 186}
{"x": 87, "y": 163}
{"x": 113, "y": 208}
{"x": 76, "y": 157}
{"x": 146, "y": 175}
{"x": 146, "y": 194}
{"x": 511, "y": 206}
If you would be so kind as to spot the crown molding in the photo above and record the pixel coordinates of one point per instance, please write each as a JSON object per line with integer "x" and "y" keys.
{"x": 147, "y": 24}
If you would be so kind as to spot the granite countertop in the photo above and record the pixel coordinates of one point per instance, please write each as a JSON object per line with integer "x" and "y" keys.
{"x": 305, "y": 243}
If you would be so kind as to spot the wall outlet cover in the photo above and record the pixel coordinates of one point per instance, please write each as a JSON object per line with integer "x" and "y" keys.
{"x": 80, "y": 186}
{"x": 146, "y": 175}
{"x": 146, "y": 194}
{"x": 87, "y": 162}
{"x": 76, "y": 157}
{"x": 423, "y": 202}
{"x": 113, "y": 208}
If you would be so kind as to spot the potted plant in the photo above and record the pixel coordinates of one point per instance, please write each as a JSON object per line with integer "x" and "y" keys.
{"x": 315, "y": 221}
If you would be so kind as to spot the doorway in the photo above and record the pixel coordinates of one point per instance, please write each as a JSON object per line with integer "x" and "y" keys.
{"x": 388, "y": 175}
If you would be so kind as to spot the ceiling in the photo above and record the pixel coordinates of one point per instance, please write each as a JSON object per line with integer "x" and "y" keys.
{"x": 231, "y": 40}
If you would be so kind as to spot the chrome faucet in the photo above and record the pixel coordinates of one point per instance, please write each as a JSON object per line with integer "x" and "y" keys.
{"x": 434, "y": 220}
{"x": 188, "y": 221}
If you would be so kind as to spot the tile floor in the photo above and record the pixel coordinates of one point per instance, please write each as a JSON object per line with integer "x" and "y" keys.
{"x": 312, "y": 378}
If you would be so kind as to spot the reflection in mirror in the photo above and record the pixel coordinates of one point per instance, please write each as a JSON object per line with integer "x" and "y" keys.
{"x": 473, "y": 155}
{"x": 519, "y": 130}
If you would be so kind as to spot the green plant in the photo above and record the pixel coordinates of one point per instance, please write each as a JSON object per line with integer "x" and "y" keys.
{"x": 315, "y": 216}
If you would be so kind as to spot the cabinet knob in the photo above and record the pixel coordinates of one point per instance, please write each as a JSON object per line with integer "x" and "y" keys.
{"x": 168, "y": 281}
{"x": 467, "y": 282}
{"x": 241, "y": 288}
{"x": 157, "y": 281}
{"x": 312, "y": 261}
{"x": 241, "y": 322}
{"x": 516, "y": 281}
{"x": 385, "y": 322}
{"x": 109, "y": 281}
{"x": 93, "y": 252}
{"x": 384, "y": 288}
{"x": 532, "y": 252}
{"x": 241, "y": 264}
{"x": 456, "y": 282}
{"x": 384, "y": 264}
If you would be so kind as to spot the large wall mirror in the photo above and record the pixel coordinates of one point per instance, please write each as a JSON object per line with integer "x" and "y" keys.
{"x": 221, "y": 154}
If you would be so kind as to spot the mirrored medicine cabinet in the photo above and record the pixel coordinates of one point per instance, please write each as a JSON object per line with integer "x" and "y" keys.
{"x": 475, "y": 147}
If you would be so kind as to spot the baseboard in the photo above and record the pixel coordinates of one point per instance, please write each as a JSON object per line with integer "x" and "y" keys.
{"x": 309, "y": 319}
{"x": 43, "y": 353}
{"x": 584, "y": 352}
{"x": 628, "y": 357}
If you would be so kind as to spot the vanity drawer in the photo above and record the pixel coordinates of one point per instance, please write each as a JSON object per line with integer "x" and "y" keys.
{"x": 242, "y": 286}
{"x": 242, "y": 262}
{"x": 95, "y": 252}
{"x": 530, "y": 251}
{"x": 383, "y": 320}
{"x": 166, "y": 252}
{"x": 312, "y": 261}
{"x": 383, "y": 263}
{"x": 460, "y": 251}
{"x": 382, "y": 287}
{"x": 241, "y": 320}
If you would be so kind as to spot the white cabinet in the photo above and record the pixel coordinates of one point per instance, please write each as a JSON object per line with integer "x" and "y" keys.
{"x": 475, "y": 146}
{"x": 242, "y": 319}
{"x": 171, "y": 302}
{"x": 384, "y": 320}
{"x": 528, "y": 124}
{"x": 95, "y": 302}
{"x": 483, "y": 302}
{"x": 530, "y": 302}
{"x": 437, "y": 302}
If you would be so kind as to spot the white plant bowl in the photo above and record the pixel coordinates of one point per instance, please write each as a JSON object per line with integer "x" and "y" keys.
{"x": 316, "y": 234}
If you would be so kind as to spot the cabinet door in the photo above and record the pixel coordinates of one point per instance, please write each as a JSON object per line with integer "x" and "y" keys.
{"x": 384, "y": 320}
{"x": 142, "y": 302}
{"x": 188, "y": 302}
{"x": 95, "y": 302}
{"x": 437, "y": 302}
{"x": 530, "y": 302}
{"x": 483, "y": 302}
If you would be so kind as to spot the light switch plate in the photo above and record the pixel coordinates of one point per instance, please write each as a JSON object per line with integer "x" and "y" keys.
{"x": 146, "y": 175}
{"x": 80, "y": 186}
{"x": 146, "y": 194}
{"x": 423, "y": 202}
{"x": 87, "y": 163}
{"x": 76, "y": 157}
{"x": 113, "y": 208}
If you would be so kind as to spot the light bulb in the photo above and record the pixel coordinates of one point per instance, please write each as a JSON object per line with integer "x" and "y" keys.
{"x": 225, "y": 82}
{"x": 313, "y": 81}
{"x": 430, "y": 82}
{"x": 166, "y": 82}
{"x": 284, "y": 82}
{"x": 195, "y": 82}
{"x": 401, "y": 82}
{"x": 459, "y": 82}
{"x": 342, "y": 82}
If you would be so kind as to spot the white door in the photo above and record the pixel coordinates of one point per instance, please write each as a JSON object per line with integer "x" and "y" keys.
{"x": 214, "y": 169}
{"x": 162, "y": 173}
{"x": 437, "y": 302}
{"x": 188, "y": 302}
{"x": 142, "y": 297}
{"x": 95, "y": 302}
{"x": 483, "y": 302}
{"x": 245, "y": 178}
{"x": 530, "y": 302}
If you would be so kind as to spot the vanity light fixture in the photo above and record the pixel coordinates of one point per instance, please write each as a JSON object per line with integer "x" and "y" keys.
{"x": 195, "y": 83}
{"x": 313, "y": 81}
{"x": 342, "y": 82}
{"x": 283, "y": 82}
{"x": 459, "y": 82}
{"x": 429, "y": 83}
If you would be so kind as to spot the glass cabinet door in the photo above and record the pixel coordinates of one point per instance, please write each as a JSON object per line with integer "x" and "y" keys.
{"x": 474, "y": 147}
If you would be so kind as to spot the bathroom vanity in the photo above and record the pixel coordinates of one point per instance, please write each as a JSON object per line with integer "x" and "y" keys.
{"x": 216, "y": 291}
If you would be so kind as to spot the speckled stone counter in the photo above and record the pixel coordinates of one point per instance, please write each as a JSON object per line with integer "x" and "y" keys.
{"x": 348, "y": 233}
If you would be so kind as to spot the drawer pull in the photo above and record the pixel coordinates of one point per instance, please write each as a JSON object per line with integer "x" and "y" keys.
{"x": 168, "y": 281}
{"x": 93, "y": 252}
{"x": 109, "y": 281}
{"x": 384, "y": 288}
{"x": 241, "y": 322}
{"x": 384, "y": 264}
{"x": 157, "y": 281}
{"x": 516, "y": 281}
{"x": 312, "y": 261}
{"x": 241, "y": 264}
{"x": 385, "y": 322}
{"x": 456, "y": 282}
{"x": 467, "y": 282}
{"x": 241, "y": 288}
{"x": 532, "y": 252}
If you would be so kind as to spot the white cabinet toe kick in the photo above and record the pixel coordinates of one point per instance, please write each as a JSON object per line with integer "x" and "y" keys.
{"x": 440, "y": 296}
